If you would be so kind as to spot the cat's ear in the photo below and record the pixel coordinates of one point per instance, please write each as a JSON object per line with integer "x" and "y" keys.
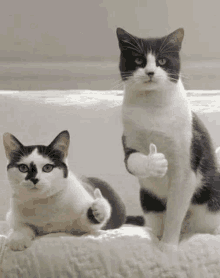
{"x": 125, "y": 39}
{"x": 61, "y": 143}
{"x": 122, "y": 34}
{"x": 176, "y": 37}
{"x": 11, "y": 144}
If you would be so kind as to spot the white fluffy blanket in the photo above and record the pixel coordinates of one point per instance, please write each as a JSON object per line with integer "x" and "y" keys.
{"x": 122, "y": 253}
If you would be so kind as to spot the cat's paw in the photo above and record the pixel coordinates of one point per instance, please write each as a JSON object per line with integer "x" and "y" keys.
{"x": 17, "y": 241}
{"x": 153, "y": 165}
{"x": 101, "y": 209}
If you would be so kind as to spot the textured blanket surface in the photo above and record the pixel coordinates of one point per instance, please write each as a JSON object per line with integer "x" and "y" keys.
{"x": 122, "y": 253}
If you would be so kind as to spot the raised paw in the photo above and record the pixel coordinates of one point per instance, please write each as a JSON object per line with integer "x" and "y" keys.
{"x": 152, "y": 165}
{"x": 17, "y": 241}
{"x": 101, "y": 209}
{"x": 157, "y": 163}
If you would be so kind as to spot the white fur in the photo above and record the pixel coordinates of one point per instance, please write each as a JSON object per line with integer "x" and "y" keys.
{"x": 59, "y": 204}
{"x": 144, "y": 166}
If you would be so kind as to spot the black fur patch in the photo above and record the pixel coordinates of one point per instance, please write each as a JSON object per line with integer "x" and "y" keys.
{"x": 132, "y": 47}
{"x": 54, "y": 155}
{"x": 127, "y": 152}
{"x": 150, "y": 202}
{"x": 91, "y": 217}
{"x": 32, "y": 172}
{"x": 203, "y": 161}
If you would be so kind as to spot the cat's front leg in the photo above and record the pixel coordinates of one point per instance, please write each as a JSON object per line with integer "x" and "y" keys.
{"x": 181, "y": 190}
{"x": 96, "y": 215}
{"x": 100, "y": 210}
{"x": 20, "y": 238}
{"x": 152, "y": 165}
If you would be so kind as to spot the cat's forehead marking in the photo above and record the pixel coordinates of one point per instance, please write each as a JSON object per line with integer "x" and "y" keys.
{"x": 35, "y": 157}
{"x": 151, "y": 61}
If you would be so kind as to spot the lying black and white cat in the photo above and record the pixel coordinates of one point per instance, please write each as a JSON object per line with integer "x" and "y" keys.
{"x": 47, "y": 197}
{"x": 166, "y": 145}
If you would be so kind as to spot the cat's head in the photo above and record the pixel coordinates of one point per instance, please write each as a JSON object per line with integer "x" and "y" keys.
{"x": 152, "y": 63}
{"x": 38, "y": 170}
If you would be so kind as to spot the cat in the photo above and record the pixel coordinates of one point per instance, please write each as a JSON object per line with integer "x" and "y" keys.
{"x": 166, "y": 145}
{"x": 47, "y": 197}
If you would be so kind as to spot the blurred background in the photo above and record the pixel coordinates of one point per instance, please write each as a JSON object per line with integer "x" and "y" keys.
{"x": 72, "y": 44}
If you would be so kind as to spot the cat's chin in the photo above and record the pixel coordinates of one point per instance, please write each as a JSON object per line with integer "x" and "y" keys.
{"x": 34, "y": 193}
{"x": 148, "y": 86}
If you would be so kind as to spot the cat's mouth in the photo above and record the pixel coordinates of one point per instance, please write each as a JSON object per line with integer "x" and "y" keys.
{"x": 149, "y": 81}
{"x": 34, "y": 189}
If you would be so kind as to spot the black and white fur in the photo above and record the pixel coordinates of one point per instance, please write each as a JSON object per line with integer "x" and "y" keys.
{"x": 166, "y": 145}
{"x": 48, "y": 198}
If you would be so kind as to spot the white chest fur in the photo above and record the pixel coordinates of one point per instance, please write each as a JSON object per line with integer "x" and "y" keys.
{"x": 161, "y": 117}
{"x": 56, "y": 213}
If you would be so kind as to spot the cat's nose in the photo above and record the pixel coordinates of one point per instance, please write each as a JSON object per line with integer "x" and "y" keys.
{"x": 150, "y": 73}
{"x": 35, "y": 181}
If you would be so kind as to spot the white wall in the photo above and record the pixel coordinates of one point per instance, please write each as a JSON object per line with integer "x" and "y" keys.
{"x": 62, "y": 30}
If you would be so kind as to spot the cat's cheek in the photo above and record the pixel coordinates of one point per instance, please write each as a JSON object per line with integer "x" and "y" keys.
{"x": 14, "y": 177}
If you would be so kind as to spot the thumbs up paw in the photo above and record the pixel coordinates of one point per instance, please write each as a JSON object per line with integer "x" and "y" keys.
{"x": 152, "y": 165}
{"x": 157, "y": 163}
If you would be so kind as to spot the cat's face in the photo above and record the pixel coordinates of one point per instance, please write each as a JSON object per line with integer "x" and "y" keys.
{"x": 37, "y": 171}
{"x": 150, "y": 64}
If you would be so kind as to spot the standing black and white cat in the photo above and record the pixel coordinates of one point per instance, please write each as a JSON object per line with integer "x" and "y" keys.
{"x": 166, "y": 145}
{"x": 47, "y": 197}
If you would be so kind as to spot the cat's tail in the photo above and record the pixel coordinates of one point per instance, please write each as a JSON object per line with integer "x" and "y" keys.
{"x": 135, "y": 220}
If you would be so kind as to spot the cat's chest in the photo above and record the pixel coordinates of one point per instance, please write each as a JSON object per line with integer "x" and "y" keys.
{"x": 50, "y": 218}
{"x": 54, "y": 214}
{"x": 163, "y": 127}
{"x": 41, "y": 213}
{"x": 169, "y": 128}
{"x": 155, "y": 119}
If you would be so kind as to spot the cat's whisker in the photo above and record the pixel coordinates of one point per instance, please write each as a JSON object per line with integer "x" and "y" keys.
{"x": 134, "y": 47}
{"x": 172, "y": 51}
{"x": 162, "y": 45}
{"x": 118, "y": 85}
{"x": 183, "y": 76}
{"x": 136, "y": 41}
{"x": 168, "y": 48}
{"x": 142, "y": 44}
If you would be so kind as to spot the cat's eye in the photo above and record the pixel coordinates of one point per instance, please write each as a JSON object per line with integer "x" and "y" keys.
{"x": 162, "y": 62}
{"x": 47, "y": 168}
{"x": 138, "y": 61}
{"x": 23, "y": 168}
